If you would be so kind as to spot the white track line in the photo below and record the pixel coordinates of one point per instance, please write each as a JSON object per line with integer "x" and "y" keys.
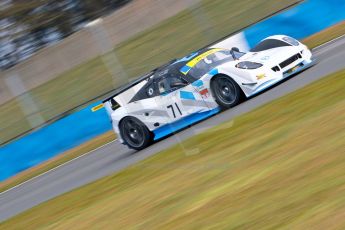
{"x": 50, "y": 170}
{"x": 326, "y": 43}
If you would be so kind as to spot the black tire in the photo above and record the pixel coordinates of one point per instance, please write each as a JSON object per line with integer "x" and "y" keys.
{"x": 134, "y": 133}
{"x": 225, "y": 91}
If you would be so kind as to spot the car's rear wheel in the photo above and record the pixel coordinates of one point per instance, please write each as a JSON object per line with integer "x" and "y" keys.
{"x": 225, "y": 91}
{"x": 134, "y": 133}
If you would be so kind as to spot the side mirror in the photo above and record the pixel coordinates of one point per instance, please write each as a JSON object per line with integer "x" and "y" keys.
{"x": 235, "y": 49}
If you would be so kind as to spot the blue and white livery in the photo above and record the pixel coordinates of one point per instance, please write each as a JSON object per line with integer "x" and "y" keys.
{"x": 199, "y": 85}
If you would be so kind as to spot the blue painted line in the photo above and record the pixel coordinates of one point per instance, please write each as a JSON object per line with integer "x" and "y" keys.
{"x": 299, "y": 22}
{"x": 187, "y": 95}
{"x": 51, "y": 140}
{"x": 182, "y": 123}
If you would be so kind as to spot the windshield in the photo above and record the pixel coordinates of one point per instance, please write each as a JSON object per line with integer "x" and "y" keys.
{"x": 200, "y": 66}
{"x": 269, "y": 44}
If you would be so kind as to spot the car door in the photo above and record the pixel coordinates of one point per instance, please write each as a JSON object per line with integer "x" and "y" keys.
{"x": 146, "y": 106}
{"x": 178, "y": 97}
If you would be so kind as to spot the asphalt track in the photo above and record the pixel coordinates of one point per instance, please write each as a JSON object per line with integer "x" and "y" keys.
{"x": 114, "y": 157}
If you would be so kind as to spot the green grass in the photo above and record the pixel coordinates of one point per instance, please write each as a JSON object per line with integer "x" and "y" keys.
{"x": 279, "y": 166}
{"x": 172, "y": 38}
{"x": 326, "y": 35}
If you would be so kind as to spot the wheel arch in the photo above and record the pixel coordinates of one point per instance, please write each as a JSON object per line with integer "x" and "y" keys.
{"x": 119, "y": 127}
{"x": 227, "y": 75}
{"x": 136, "y": 118}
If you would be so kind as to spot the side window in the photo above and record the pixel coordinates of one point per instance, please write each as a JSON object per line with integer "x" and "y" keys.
{"x": 163, "y": 86}
{"x": 208, "y": 63}
{"x": 169, "y": 84}
{"x": 147, "y": 91}
{"x": 199, "y": 69}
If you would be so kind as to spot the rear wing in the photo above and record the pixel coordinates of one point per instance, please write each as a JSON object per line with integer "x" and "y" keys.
{"x": 111, "y": 103}
{"x": 128, "y": 86}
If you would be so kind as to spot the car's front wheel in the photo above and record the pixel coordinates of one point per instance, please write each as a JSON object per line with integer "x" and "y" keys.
{"x": 225, "y": 91}
{"x": 134, "y": 133}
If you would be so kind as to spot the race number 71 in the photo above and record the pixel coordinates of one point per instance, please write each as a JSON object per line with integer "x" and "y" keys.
{"x": 173, "y": 110}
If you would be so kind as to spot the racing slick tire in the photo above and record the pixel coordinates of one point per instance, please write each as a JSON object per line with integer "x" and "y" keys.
{"x": 226, "y": 91}
{"x": 134, "y": 133}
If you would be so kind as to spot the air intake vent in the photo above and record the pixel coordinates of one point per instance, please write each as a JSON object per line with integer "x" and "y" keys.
{"x": 290, "y": 60}
{"x": 276, "y": 68}
{"x": 114, "y": 104}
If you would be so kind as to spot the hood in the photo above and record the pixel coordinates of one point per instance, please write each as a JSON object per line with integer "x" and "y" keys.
{"x": 275, "y": 55}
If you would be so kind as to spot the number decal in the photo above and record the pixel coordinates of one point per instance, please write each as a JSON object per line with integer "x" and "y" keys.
{"x": 178, "y": 109}
{"x": 173, "y": 111}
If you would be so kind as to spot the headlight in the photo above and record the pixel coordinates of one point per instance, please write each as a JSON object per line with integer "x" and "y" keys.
{"x": 291, "y": 40}
{"x": 248, "y": 65}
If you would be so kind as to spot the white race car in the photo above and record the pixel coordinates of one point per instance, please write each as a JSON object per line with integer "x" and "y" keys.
{"x": 199, "y": 85}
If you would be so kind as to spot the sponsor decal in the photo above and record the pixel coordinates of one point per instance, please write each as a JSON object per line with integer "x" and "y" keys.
{"x": 260, "y": 76}
{"x": 265, "y": 58}
{"x": 204, "y": 93}
{"x": 97, "y": 107}
{"x": 293, "y": 69}
{"x": 199, "y": 84}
